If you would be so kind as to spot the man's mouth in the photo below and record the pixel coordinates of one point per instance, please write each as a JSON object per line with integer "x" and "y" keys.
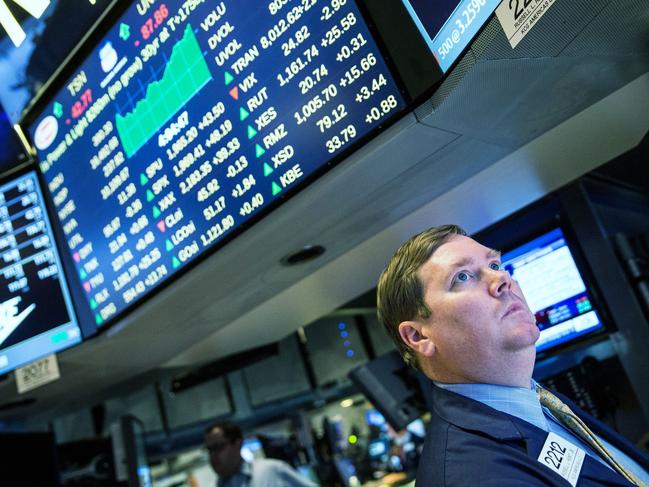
{"x": 513, "y": 308}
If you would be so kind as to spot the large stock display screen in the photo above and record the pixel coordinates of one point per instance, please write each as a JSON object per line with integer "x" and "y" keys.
{"x": 36, "y": 316}
{"x": 189, "y": 118}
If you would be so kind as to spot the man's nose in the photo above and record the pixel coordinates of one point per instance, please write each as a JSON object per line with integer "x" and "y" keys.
{"x": 500, "y": 281}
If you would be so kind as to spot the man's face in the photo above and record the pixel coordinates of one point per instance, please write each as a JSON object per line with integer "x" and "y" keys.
{"x": 481, "y": 325}
{"x": 225, "y": 455}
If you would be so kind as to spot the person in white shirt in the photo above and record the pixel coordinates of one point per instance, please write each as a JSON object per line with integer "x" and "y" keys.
{"x": 223, "y": 442}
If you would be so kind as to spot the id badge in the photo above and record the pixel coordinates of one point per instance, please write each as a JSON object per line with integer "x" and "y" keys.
{"x": 563, "y": 457}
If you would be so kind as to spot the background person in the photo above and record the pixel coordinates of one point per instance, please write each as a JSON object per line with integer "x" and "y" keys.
{"x": 223, "y": 442}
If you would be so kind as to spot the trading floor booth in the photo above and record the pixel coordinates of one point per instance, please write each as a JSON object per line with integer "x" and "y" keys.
{"x": 197, "y": 198}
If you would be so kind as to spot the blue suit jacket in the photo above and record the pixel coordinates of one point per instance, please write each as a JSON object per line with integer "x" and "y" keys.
{"x": 471, "y": 444}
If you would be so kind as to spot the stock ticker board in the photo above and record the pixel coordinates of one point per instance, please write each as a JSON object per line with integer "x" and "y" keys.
{"x": 189, "y": 118}
{"x": 36, "y": 316}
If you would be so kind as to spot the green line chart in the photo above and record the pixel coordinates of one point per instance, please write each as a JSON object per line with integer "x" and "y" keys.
{"x": 184, "y": 76}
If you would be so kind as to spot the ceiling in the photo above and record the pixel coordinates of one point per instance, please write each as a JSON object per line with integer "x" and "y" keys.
{"x": 506, "y": 127}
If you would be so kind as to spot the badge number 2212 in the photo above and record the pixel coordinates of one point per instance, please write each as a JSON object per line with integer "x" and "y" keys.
{"x": 554, "y": 455}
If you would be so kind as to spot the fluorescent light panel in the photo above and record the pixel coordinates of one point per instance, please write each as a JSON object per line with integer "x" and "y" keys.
{"x": 35, "y": 8}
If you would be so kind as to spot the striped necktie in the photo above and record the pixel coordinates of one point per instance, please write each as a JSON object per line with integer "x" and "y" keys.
{"x": 564, "y": 414}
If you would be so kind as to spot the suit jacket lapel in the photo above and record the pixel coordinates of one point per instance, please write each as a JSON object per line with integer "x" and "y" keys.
{"x": 474, "y": 416}
{"x": 591, "y": 469}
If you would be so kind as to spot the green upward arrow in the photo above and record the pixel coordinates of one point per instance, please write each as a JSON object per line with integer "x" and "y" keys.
{"x": 243, "y": 114}
{"x": 143, "y": 179}
{"x": 276, "y": 188}
{"x": 228, "y": 78}
{"x": 267, "y": 169}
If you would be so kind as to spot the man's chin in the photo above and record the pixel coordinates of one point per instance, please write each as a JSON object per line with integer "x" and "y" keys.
{"x": 526, "y": 335}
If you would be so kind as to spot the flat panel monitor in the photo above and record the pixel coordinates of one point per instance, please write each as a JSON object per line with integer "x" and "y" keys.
{"x": 252, "y": 449}
{"x": 36, "y": 314}
{"x": 448, "y": 26}
{"x": 187, "y": 120}
{"x": 554, "y": 289}
{"x": 378, "y": 447}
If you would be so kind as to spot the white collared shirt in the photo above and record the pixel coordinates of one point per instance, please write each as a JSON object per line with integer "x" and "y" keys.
{"x": 265, "y": 473}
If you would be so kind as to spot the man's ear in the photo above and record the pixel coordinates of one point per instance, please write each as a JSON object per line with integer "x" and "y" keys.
{"x": 415, "y": 336}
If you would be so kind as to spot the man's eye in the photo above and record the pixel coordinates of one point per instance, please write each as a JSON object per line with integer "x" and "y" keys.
{"x": 496, "y": 266}
{"x": 462, "y": 276}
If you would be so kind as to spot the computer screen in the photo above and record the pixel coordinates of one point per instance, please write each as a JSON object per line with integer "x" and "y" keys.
{"x": 374, "y": 418}
{"x": 251, "y": 449}
{"x": 448, "y": 26}
{"x": 188, "y": 120}
{"x": 378, "y": 447}
{"x": 554, "y": 289}
{"x": 36, "y": 314}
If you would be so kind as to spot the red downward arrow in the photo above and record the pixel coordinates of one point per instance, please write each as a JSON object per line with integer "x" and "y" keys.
{"x": 161, "y": 225}
{"x": 234, "y": 92}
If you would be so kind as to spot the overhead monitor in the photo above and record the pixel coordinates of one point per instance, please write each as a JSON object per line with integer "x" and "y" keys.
{"x": 188, "y": 120}
{"x": 36, "y": 315}
{"x": 448, "y": 26}
{"x": 554, "y": 288}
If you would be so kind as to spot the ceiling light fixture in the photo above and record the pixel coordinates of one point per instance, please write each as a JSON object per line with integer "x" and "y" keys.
{"x": 305, "y": 254}
{"x": 35, "y": 8}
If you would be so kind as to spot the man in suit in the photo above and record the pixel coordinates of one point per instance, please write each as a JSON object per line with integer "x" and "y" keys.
{"x": 463, "y": 321}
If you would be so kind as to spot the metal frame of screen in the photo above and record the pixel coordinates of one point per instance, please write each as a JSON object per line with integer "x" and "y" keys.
{"x": 47, "y": 340}
{"x": 108, "y": 22}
